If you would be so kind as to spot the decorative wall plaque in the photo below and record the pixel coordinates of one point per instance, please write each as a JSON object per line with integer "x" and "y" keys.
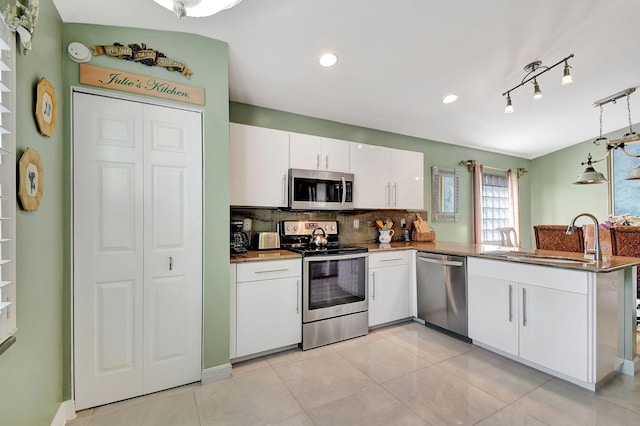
{"x": 144, "y": 55}
{"x": 140, "y": 84}
{"x": 30, "y": 180}
{"x": 46, "y": 107}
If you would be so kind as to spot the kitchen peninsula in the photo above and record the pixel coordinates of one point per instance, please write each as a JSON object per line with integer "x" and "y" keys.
{"x": 562, "y": 313}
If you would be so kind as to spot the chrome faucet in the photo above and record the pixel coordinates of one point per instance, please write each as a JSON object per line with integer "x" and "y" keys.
{"x": 596, "y": 234}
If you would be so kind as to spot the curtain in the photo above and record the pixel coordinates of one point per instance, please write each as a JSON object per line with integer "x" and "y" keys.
{"x": 514, "y": 200}
{"x": 21, "y": 16}
{"x": 477, "y": 204}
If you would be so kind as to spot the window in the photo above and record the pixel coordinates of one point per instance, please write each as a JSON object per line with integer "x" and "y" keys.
{"x": 7, "y": 189}
{"x": 496, "y": 202}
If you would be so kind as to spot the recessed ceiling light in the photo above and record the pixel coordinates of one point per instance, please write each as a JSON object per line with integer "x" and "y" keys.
{"x": 328, "y": 59}
{"x": 449, "y": 98}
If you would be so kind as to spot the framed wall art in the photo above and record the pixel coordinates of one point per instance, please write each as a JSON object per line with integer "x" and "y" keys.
{"x": 30, "y": 180}
{"x": 46, "y": 107}
{"x": 625, "y": 194}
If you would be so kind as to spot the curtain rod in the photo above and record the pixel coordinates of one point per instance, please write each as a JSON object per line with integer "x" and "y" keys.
{"x": 472, "y": 163}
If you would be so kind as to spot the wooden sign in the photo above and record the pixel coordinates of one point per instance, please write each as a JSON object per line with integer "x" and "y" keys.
{"x": 140, "y": 84}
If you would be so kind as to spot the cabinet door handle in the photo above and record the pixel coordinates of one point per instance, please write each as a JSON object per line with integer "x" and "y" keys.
{"x": 395, "y": 194}
{"x": 284, "y": 190}
{"x": 387, "y": 195}
{"x": 297, "y": 296}
{"x": 326, "y": 162}
{"x": 373, "y": 286}
{"x": 510, "y": 303}
{"x": 524, "y": 307}
{"x": 318, "y": 161}
{"x": 170, "y": 263}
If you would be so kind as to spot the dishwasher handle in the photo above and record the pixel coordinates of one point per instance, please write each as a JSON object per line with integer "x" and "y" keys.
{"x": 440, "y": 262}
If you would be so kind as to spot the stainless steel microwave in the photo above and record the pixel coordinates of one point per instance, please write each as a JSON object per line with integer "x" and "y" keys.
{"x": 320, "y": 190}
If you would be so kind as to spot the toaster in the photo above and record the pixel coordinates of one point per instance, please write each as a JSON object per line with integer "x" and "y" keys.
{"x": 266, "y": 240}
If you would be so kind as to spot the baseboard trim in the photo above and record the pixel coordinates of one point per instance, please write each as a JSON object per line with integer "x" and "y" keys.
{"x": 66, "y": 412}
{"x": 629, "y": 367}
{"x": 213, "y": 374}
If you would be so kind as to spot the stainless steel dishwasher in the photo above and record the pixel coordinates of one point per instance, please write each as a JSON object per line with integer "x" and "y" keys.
{"x": 442, "y": 291}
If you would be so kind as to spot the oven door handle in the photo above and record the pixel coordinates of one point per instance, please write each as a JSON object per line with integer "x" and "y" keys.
{"x": 322, "y": 258}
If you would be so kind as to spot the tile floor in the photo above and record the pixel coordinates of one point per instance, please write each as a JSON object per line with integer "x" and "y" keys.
{"x": 401, "y": 375}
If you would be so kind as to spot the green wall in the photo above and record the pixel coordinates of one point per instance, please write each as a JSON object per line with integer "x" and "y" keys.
{"x": 209, "y": 61}
{"x": 435, "y": 154}
{"x": 554, "y": 199}
{"x": 32, "y": 369}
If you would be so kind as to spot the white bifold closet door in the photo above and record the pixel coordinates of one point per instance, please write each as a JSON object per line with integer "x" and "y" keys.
{"x": 137, "y": 248}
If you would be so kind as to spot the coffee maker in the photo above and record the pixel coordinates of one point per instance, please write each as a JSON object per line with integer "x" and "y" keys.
{"x": 239, "y": 239}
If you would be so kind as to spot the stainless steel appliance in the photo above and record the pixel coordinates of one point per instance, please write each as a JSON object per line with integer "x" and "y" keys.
{"x": 266, "y": 240}
{"x": 442, "y": 292}
{"x": 239, "y": 240}
{"x": 320, "y": 190}
{"x": 334, "y": 283}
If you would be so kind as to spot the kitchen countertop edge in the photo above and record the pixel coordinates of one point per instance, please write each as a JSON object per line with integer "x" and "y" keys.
{"x": 263, "y": 255}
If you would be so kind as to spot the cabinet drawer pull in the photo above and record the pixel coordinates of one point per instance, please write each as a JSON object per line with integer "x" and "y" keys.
{"x": 391, "y": 260}
{"x": 524, "y": 307}
{"x": 510, "y": 303}
{"x": 271, "y": 270}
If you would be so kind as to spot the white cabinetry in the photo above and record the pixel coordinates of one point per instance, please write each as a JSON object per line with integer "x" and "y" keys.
{"x": 388, "y": 287}
{"x": 259, "y": 163}
{"x": 387, "y": 178}
{"x": 318, "y": 153}
{"x": 543, "y": 315}
{"x": 267, "y": 311}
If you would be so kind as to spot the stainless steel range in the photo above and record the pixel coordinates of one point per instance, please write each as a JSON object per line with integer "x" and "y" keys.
{"x": 334, "y": 282}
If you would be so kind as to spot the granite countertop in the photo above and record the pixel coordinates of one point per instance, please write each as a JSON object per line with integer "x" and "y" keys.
{"x": 607, "y": 264}
{"x": 253, "y": 255}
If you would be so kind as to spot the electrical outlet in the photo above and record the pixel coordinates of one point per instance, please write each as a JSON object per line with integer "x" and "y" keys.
{"x": 246, "y": 224}
{"x": 356, "y": 224}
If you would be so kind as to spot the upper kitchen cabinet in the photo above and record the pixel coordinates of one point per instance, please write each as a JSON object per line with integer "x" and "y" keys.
{"x": 259, "y": 163}
{"x": 318, "y": 153}
{"x": 387, "y": 178}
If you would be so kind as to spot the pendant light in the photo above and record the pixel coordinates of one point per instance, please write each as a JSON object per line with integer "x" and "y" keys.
{"x": 197, "y": 8}
{"x": 566, "y": 78}
{"x": 537, "y": 93}
{"x": 590, "y": 175}
{"x": 509, "y": 108}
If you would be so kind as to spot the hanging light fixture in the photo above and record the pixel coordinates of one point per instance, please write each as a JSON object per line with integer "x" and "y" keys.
{"x": 533, "y": 68}
{"x": 197, "y": 8}
{"x": 590, "y": 175}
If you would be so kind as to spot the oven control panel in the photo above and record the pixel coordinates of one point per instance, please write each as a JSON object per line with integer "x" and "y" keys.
{"x": 303, "y": 227}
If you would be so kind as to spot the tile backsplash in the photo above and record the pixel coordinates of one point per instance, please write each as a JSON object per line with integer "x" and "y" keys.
{"x": 266, "y": 220}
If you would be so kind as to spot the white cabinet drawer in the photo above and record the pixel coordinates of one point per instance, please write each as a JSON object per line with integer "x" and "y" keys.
{"x": 391, "y": 258}
{"x": 267, "y": 270}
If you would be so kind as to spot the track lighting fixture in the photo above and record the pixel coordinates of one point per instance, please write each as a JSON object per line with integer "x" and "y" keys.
{"x": 534, "y": 70}
{"x": 509, "y": 108}
{"x": 537, "y": 93}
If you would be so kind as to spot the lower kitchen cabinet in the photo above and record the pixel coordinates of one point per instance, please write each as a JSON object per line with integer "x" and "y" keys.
{"x": 545, "y": 316}
{"x": 389, "y": 280}
{"x": 267, "y": 307}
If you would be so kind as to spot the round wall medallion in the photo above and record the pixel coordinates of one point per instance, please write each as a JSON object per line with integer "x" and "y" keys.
{"x": 30, "y": 180}
{"x": 46, "y": 107}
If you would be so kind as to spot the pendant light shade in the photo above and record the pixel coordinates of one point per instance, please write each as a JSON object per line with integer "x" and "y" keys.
{"x": 566, "y": 78}
{"x": 634, "y": 174}
{"x": 590, "y": 175}
{"x": 537, "y": 93}
{"x": 197, "y": 8}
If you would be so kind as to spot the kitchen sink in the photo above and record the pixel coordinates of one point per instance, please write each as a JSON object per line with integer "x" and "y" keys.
{"x": 534, "y": 257}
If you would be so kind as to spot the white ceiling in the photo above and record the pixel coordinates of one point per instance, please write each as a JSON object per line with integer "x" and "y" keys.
{"x": 398, "y": 59}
